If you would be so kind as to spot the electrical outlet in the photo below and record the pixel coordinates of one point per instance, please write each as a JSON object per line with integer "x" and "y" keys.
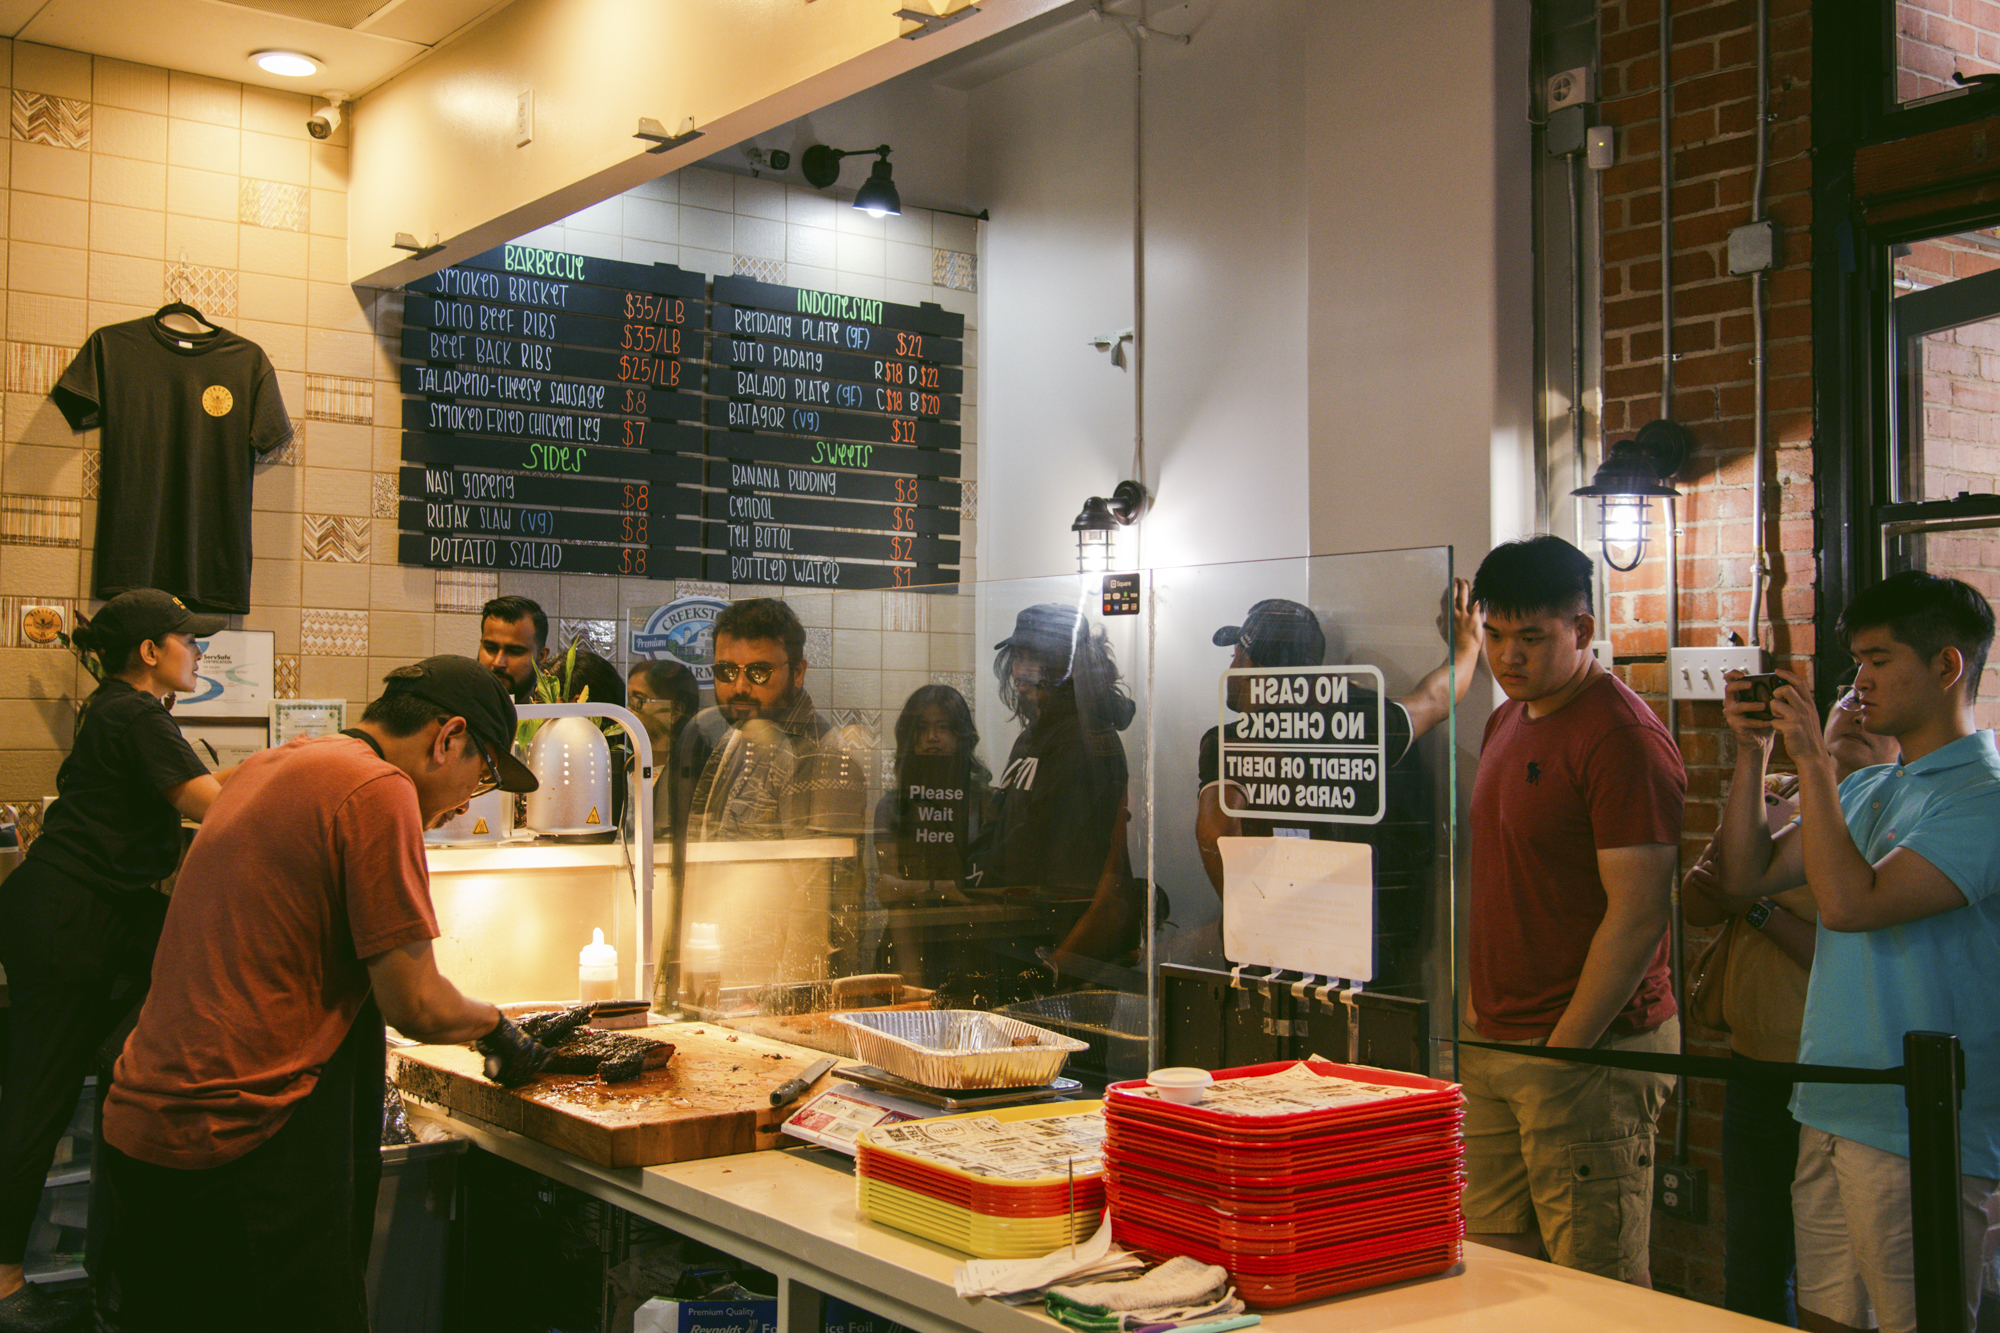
{"x": 1681, "y": 1191}
{"x": 524, "y": 119}
{"x": 1697, "y": 673}
{"x": 1601, "y": 650}
{"x": 1568, "y": 88}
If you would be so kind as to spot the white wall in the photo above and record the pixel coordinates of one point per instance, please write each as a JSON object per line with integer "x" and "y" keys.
{"x": 1339, "y": 313}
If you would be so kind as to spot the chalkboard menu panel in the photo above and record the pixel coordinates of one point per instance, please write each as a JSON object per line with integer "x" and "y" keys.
{"x": 569, "y": 414}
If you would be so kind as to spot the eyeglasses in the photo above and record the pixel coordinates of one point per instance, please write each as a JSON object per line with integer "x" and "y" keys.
{"x": 759, "y": 673}
{"x": 491, "y": 782}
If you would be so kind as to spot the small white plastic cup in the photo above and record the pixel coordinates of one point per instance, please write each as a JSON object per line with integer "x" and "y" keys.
{"x": 1181, "y": 1084}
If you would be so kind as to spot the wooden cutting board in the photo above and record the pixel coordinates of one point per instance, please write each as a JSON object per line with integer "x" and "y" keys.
{"x": 711, "y": 1100}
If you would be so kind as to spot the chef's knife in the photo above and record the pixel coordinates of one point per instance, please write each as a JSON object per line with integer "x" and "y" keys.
{"x": 786, "y": 1093}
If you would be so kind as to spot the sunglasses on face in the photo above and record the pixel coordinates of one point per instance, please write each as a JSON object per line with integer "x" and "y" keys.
{"x": 758, "y": 673}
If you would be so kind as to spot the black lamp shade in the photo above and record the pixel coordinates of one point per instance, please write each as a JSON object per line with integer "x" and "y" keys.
{"x": 877, "y": 196}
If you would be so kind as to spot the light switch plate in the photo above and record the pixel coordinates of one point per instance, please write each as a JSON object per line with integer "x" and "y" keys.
{"x": 524, "y": 119}
{"x": 1697, "y": 673}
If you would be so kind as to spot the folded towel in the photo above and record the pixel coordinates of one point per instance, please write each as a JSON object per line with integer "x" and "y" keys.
{"x": 1175, "y": 1284}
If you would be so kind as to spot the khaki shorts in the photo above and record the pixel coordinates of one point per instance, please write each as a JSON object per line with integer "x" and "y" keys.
{"x": 1851, "y": 1217}
{"x": 1566, "y": 1150}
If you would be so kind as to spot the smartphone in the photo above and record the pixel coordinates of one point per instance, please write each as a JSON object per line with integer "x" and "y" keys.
{"x": 1757, "y": 690}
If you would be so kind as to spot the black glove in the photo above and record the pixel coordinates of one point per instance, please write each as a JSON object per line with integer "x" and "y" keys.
{"x": 512, "y": 1056}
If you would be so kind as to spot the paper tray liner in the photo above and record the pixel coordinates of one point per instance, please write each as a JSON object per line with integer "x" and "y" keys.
{"x": 1127, "y": 1100}
{"x": 865, "y": 1143}
{"x": 1090, "y": 1192}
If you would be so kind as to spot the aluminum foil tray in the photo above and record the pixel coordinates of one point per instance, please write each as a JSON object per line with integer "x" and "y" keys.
{"x": 958, "y": 1048}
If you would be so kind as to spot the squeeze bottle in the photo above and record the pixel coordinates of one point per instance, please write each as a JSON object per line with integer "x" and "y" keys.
{"x": 597, "y": 970}
{"x": 701, "y": 968}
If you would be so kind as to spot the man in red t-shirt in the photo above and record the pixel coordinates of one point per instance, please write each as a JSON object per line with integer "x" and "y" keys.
{"x": 242, "y": 1131}
{"x": 1576, "y": 821}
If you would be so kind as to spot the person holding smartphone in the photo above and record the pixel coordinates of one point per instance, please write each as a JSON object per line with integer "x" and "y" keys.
{"x": 1901, "y": 863}
{"x": 1763, "y": 1003}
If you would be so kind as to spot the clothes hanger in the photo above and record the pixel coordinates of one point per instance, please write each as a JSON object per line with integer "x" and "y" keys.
{"x": 177, "y": 316}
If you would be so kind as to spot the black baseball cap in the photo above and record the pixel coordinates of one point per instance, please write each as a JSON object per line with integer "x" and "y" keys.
{"x": 1048, "y": 629}
{"x": 1277, "y": 633}
{"x": 139, "y": 614}
{"x": 466, "y": 689}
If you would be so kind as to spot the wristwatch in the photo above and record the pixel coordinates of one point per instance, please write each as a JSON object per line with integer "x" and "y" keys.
{"x": 1760, "y": 912}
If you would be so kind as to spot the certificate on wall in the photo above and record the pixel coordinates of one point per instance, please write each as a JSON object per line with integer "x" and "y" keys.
{"x": 294, "y": 718}
{"x": 235, "y": 676}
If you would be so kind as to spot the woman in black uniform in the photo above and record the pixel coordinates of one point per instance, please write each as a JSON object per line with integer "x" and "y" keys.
{"x": 80, "y": 917}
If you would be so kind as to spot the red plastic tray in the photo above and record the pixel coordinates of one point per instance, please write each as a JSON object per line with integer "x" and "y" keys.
{"x": 1136, "y": 1234}
{"x": 1122, "y": 1099}
{"x": 1032, "y": 1201}
{"x": 1185, "y": 1153}
{"x": 1271, "y": 1291}
{"x": 1290, "y": 1202}
{"x": 1316, "y": 1230}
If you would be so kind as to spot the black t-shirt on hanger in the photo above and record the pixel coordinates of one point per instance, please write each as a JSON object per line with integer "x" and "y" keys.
{"x": 180, "y": 418}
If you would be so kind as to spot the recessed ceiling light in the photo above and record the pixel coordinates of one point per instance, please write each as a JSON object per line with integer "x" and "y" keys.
{"x": 288, "y": 63}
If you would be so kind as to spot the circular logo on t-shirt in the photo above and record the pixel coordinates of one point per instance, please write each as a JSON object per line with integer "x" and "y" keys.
{"x": 215, "y": 401}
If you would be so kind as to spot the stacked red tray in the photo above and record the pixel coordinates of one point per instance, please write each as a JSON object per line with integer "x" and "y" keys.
{"x": 1296, "y": 1205}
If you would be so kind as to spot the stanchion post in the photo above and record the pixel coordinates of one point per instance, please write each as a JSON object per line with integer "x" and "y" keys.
{"x": 1936, "y": 1067}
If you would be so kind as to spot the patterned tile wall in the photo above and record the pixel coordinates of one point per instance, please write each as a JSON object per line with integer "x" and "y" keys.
{"x": 600, "y": 636}
{"x": 466, "y": 590}
{"x": 213, "y": 291}
{"x": 960, "y": 272}
{"x": 286, "y": 676}
{"x": 329, "y": 633}
{"x": 333, "y": 538}
{"x": 272, "y": 204}
{"x": 58, "y": 122}
{"x": 35, "y": 367}
{"x": 36, "y": 520}
{"x": 382, "y": 495}
{"x": 340, "y": 398}
{"x": 129, "y": 186}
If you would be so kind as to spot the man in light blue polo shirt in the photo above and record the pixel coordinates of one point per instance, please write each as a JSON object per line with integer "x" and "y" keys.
{"x": 1902, "y": 862}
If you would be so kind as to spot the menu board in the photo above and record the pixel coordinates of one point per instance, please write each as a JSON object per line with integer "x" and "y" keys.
{"x": 836, "y": 419}
{"x": 569, "y": 414}
{"x": 544, "y": 426}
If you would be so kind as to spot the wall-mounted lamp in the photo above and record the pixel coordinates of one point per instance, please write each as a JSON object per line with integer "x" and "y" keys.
{"x": 1101, "y": 525}
{"x": 1632, "y": 473}
{"x": 877, "y": 196}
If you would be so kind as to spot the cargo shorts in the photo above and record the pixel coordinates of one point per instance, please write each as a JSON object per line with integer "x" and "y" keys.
{"x": 1566, "y": 1150}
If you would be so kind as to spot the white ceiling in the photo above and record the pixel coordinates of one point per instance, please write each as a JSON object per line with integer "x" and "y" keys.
{"x": 358, "y": 43}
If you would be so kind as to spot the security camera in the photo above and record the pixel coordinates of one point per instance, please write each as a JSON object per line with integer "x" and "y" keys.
{"x": 322, "y": 123}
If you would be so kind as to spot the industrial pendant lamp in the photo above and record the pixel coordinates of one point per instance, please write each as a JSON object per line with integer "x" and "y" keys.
{"x": 1633, "y": 473}
{"x": 877, "y": 196}
{"x": 1099, "y": 528}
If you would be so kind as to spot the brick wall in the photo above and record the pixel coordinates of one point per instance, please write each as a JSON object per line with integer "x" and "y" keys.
{"x": 1714, "y": 153}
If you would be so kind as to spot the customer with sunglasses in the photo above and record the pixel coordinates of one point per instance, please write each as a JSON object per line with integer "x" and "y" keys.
{"x": 780, "y": 769}
{"x": 242, "y": 1128}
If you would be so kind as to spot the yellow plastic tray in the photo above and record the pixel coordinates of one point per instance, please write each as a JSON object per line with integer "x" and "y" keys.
{"x": 973, "y": 1233}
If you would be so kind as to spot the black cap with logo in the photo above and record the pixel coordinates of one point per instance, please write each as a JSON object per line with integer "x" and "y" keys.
{"x": 466, "y": 689}
{"x": 142, "y": 614}
{"x": 1277, "y": 633}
